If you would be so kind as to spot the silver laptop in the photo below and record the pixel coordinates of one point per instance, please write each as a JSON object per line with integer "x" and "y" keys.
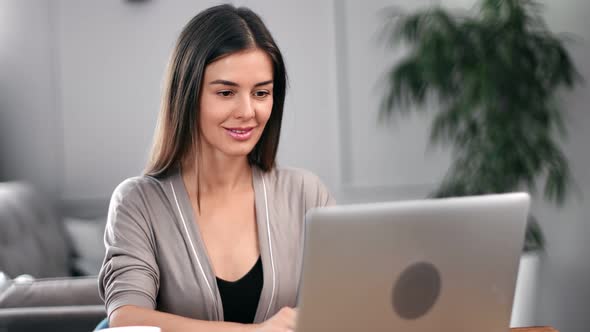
{"x": 445, "y": 265}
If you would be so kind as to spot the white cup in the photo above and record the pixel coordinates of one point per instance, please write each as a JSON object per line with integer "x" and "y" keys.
{"x": 132, "y": 329}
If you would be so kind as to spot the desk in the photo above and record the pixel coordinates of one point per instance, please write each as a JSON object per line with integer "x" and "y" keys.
{"x": 534, "y": 329}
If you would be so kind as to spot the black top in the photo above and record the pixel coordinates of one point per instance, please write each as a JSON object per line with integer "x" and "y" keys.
{"x": 240, "y": 297}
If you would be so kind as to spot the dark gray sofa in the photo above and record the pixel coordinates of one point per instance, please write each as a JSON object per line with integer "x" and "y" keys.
{"x": 34, "y": 241}
{"x": 53, "y": 304}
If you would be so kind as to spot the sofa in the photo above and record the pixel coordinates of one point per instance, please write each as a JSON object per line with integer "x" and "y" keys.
{"x": 50, "y": 253}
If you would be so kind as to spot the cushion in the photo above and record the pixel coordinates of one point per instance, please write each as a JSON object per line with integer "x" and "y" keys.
{"x": 4, "y": 282}
{"x": 32, "y": 238}
{"x": 86, "y": 236}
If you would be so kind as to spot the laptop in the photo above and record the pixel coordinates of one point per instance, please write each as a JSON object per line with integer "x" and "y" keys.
{"x": 445, "y": 265}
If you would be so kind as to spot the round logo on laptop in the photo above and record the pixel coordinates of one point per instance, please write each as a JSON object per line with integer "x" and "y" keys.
{"x": 416, "y": 290}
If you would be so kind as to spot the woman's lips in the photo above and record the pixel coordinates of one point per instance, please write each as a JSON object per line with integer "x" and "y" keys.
{"x": 240, "y": 134}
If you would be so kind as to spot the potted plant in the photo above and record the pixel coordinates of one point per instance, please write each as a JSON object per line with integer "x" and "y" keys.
{"x": 495, "y": 76}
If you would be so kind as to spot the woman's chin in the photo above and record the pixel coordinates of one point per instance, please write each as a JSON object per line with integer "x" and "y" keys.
{"x": 237, "y": 152}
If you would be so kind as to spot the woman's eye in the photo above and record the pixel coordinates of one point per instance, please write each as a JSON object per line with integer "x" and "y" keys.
{"x": 261, "y": 94}
{"x": 225, "y": 93}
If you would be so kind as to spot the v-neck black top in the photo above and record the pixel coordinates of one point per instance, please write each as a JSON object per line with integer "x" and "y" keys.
{"x": 240, "y": 298}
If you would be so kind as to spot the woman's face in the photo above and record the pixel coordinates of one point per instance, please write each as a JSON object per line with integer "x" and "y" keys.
{"x": 236, "y": 102}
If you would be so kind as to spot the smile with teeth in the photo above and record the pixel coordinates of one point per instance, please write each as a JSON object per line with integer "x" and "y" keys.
{"x": 240, "y": 134}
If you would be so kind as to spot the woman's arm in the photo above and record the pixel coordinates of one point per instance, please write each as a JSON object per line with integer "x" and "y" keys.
{"x": 129, "y": 315}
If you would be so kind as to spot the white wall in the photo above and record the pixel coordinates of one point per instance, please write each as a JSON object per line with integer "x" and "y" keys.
{"x": 565, "y": 293}
{"x": 30, "y": 123}
{"x": 112, "y": 58}
{"x": 380, "y": 160}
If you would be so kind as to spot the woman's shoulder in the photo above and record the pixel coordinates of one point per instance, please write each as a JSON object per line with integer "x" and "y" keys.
{"x": 298, "y": 181}
{"x": 137, "y": 188}
{"x": 137, "y": 183}
{"x": 140, "y": 199}
{"x": 294, "y": 175}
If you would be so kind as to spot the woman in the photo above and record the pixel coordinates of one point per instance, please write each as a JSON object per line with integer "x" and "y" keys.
{"x": 210, "y": 237}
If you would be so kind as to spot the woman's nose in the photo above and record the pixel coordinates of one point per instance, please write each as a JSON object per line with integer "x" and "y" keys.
{"x": 246, "y": 108}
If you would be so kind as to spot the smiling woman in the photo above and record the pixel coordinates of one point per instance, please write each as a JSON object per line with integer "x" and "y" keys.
{"x": 236, "y": 102}
{"x": 210, "y": 237}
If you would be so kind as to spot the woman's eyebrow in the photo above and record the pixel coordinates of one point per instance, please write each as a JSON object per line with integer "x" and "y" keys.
{"x": 230, "y": 83}
{"x": 263, "y": 83}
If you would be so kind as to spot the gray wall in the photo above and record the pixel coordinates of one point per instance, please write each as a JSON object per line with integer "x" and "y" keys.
{"x": 565, "y": 294}
{"x": 30, "y": 123}
{"x": 380, "y": 160}
{"x": 112, "y": 57}
{"x": 80, "y": 88}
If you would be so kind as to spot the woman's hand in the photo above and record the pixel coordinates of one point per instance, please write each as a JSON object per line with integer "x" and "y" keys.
{"x": 282, "y": 321}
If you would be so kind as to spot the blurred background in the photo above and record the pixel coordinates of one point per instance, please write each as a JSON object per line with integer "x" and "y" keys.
{"x": 80, "y": 87}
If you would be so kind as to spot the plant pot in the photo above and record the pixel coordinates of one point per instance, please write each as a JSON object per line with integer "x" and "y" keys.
{"x": 523, "y": 309}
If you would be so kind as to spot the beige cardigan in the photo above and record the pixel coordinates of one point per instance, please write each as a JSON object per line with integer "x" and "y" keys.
{"x": 155, "y": 257}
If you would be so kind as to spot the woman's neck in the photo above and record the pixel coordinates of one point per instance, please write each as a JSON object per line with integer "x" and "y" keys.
{"x": 219, "y": 174}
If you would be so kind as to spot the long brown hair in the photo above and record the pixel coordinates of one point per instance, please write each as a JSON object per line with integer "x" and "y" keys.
{"x": 212, "y": 34}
